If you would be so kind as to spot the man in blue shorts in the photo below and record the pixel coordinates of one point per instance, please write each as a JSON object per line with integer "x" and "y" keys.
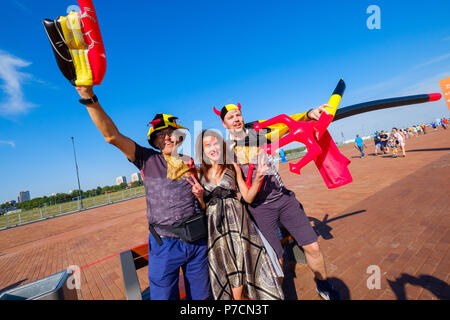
{"x": 169, "y": 199}
{"x": 384, "y": 137}
{"x": 377, "y": 142}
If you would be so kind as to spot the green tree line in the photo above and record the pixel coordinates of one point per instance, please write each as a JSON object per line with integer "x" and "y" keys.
{"x": 66, "y": 197}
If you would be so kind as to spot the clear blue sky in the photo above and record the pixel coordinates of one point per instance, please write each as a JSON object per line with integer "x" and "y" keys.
{"x": 183, "y": 57}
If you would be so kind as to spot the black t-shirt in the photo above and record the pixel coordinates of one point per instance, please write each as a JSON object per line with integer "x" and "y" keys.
{"x": 376, "y": 139}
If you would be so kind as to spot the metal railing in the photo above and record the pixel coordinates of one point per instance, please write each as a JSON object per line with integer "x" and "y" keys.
{"x": 15, "y": 219}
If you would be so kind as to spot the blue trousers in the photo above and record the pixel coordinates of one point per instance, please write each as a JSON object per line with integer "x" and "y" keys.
{"x": 361, "y": 148}
{"x": 164, "y": 264}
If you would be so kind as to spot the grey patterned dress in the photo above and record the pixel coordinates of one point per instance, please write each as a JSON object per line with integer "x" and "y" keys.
{"x": 236, "y": 253}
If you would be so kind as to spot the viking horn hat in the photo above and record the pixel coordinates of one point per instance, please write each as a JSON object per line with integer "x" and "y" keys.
{"x": 226, "y": 109}
{"x": 160, "y": 122}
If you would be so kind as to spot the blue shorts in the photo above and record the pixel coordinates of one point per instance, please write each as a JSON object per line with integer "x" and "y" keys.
{"x": 164, "y": 264}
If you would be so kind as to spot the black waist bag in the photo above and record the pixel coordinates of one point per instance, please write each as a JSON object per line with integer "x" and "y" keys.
{"x": 189, "y": 229}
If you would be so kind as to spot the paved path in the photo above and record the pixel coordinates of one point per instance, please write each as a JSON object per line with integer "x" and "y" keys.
{"x": 394, "y": 216}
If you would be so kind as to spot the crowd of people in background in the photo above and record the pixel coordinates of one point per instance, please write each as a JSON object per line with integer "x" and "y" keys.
{"x": 395, "y": 141}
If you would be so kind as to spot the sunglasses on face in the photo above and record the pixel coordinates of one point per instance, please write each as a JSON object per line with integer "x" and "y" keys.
{"x": 165, "y": 133}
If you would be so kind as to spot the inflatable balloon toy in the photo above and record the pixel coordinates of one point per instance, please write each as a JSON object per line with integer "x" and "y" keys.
{"x": 332, "y": 164}
{"x": 78, "y": 46}
{"x": 344, "y": 112}
{"x": 384, "y": 104}
{"x": 321, "y": 147}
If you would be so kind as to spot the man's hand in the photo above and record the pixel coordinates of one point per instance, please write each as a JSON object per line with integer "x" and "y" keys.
{"x": 85, "y": 92}
{"x": 314, "y": 114}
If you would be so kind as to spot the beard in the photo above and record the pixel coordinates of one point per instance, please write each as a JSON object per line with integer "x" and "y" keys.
{"x": 238, "y": 132}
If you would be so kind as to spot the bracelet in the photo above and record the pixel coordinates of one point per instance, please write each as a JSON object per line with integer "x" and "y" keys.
{"x": 92, "y": 100}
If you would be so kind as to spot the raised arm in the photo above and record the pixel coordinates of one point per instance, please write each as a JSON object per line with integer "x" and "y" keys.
{"x": 106, "y": 125}
{"x": 249, "y": 194}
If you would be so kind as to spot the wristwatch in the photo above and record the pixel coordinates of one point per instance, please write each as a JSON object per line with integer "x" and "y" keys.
{"x": 307, "y": 113}
{"x": 89, "y": 101}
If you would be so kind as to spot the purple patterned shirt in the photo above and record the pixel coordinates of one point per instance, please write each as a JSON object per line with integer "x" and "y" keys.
{"x": 167, "y": 200}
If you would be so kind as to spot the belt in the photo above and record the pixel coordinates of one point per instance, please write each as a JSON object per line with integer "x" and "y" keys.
{"x": 216, "y": 197}
{"x": 166, "y": 237}
{"x": 157, "y": 236}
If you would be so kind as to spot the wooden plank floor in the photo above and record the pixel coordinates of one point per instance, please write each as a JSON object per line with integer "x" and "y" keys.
{"x": 395, "y": 216}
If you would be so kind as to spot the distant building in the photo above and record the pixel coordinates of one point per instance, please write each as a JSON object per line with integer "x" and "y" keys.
{"x": 12, "y": 203}
{"x": 23, "y": 196}
{"x": 136, "y": 177}
{"x": 121, "y": 179}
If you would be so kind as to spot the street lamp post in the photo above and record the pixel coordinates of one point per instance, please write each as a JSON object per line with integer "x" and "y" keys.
{"x": 78, "y": 178}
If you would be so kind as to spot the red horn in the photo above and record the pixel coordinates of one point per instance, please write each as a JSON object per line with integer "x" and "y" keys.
{"x": 217, "y": 111}
{"x": 156, "y": 121}
{"x": 239, "y": 106}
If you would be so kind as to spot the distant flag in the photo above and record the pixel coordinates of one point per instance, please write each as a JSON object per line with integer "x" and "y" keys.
{"x": 445, "y": 86}
{"x": 282, "y": 156}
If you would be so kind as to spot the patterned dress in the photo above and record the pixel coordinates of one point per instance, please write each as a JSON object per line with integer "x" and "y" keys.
{"x": 236, "y": 253}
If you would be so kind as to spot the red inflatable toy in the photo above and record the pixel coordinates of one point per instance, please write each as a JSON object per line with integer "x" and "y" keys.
{"x": 332, "y": 164}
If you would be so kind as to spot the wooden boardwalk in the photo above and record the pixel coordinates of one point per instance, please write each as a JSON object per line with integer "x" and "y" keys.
{"x": 394, "y": 216}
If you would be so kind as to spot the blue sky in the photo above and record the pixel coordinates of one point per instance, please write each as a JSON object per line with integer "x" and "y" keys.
{"x": 183, "y": 57}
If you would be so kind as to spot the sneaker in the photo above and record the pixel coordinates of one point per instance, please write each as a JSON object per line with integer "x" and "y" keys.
{"x": 326, "y": 290}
